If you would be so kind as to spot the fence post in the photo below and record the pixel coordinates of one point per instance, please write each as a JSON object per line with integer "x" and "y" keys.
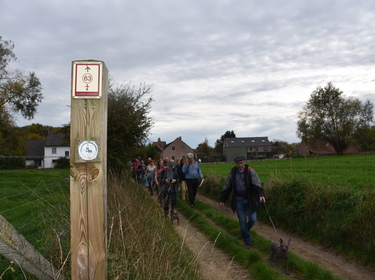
{"x": 15, "y": 247}
{"x": 88, "y": 169}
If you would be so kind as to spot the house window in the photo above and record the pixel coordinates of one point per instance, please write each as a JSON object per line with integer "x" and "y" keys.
{"x": 265, "y": 149}
{"x": 173, "y": 148}
{"x": 66, "y": 153}
{"x": 54, "y": 150}
{"x": 182, "y": 148}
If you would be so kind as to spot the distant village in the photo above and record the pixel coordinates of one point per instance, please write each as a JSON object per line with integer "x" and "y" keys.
{"x": 44, "y": 153}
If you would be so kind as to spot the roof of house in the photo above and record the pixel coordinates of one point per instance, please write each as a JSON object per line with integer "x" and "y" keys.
{"x": 34, "y": 148}
{"x": 178, "y": 138}
{"x": 160, "y": 145}
{"x": 246, "y": 142}
{"x": 57, "y": 139}
{"x": 321, "y": 147}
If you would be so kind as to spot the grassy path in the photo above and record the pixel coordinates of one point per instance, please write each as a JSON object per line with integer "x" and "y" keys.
{"x": 307, "y": 261}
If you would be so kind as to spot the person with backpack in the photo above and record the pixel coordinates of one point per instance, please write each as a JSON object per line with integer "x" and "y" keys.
{"x": 247, "y": 196}
{"x": 192, "y": 173}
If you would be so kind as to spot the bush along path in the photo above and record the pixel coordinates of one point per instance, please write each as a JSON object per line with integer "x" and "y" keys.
{"x": 221, "y": 228}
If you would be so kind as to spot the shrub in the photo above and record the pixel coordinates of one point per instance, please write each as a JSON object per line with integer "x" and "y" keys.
{"x": 62, "y": 163}
{"x": 7, "y": 163}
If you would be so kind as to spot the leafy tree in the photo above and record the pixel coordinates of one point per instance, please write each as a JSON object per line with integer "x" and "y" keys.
{"x": 30, "y": 131}
{"x": 204, "y": 151}
{"x": 284, "y": 147}
{"x": 18, "y": 93}
{"x": 364, "y": 135}
{"x": 128, "y": 122}
{"x": 7, "y": 133}
{"x": 331, "y": 117}
{"x": 146, "y": 151}
{"x": 219, "y": 142}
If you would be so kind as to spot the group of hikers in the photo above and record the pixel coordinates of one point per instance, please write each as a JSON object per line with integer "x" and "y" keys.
{"x": 166, "y": 177}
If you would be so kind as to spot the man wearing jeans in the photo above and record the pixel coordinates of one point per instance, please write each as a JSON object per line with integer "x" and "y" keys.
{"x": 192, "y": 173}
{"x": 247, "y": 197}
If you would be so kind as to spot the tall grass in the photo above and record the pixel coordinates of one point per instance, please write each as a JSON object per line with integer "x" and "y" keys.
{"x": 142, "y": 243}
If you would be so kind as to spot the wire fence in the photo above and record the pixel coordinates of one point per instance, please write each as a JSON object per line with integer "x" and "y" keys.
{"x": 41, "y": 215}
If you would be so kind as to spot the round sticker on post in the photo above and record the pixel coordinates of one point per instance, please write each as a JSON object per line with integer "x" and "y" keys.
{"x": 88, "y": 150}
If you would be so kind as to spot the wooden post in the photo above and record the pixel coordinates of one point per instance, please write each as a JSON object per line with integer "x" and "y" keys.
{"x": 15, "y": 247}
{"x": 88, "y": 170}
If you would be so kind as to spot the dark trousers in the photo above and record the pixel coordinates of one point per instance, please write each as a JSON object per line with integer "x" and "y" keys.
{"x": 192, "y": 185}
{"x": 169, "y": 196}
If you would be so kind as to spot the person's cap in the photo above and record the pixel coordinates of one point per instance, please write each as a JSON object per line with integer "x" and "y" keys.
{"x": 190, "y": 155}
{"x": 239, "y": 158}
{"x": 171, "y": 163}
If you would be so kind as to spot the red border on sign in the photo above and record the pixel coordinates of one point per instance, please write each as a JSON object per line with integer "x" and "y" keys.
{"x": 86, "y": 93}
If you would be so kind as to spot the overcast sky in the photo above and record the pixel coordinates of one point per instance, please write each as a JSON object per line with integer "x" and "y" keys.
{"x": 215, "y": 65}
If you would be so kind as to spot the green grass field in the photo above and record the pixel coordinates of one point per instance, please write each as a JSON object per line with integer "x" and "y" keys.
{"x": 353, "y": 171}
{"x": 34, "y": 202}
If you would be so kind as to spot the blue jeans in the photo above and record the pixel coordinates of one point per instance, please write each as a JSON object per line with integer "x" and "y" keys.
{"x": 246, "y": 218}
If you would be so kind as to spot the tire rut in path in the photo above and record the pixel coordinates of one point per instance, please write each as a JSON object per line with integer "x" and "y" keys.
{"x": 337, "y": 264}
{"x": 214, "y": 264}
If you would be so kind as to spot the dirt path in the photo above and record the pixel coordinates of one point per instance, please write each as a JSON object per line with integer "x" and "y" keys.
{"x": 217, "y": 265}
{"x": 214, "y": 263}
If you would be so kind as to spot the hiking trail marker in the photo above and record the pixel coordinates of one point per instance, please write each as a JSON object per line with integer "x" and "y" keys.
{"x": 87, "y": 79}
{"x": 88, "y": 170}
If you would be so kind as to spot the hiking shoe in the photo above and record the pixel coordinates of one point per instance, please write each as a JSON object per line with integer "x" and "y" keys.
{"x": 192, "y": 205}
{"x": 247, "y": 246}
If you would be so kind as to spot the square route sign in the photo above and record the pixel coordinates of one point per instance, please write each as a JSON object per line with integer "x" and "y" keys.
{"x": 87, "y": 79}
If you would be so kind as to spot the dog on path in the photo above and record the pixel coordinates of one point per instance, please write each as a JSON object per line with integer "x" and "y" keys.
{"x": 280, "y": 251}
{"x": 174, "y": 216}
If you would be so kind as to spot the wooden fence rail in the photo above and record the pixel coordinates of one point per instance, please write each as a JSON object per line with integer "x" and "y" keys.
{"x": 15, "y": 247}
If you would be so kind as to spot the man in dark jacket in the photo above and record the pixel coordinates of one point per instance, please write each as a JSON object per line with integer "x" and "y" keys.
{"x": 169, "y": 178}
{"x": 247, "y": 197}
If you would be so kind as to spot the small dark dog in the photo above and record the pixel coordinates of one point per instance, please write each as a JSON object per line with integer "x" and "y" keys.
{"x": 174, "y": 216}
{"x": 280, "y": 250}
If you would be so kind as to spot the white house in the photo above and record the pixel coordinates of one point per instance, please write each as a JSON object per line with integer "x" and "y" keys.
{"x": 45, "y": 153}
{"x": 56, "y": 146}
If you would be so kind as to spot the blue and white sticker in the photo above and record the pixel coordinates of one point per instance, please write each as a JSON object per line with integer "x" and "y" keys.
{"x": 88, "y": 150}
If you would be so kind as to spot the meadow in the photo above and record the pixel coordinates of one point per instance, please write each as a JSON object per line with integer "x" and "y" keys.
{"x": 357, "y": 171}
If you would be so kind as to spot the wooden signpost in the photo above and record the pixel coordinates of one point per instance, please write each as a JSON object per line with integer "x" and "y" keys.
{"x": 88, "y": 170}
